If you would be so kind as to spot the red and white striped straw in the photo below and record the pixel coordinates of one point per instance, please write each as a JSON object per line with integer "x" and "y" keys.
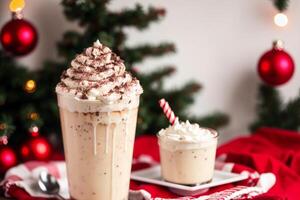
{"x": 168, "y": 111}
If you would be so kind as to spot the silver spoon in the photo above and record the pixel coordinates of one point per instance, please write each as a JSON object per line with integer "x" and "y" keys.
{"x": 49, "y": 185}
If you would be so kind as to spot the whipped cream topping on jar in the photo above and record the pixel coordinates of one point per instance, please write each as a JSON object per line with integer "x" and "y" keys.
{"x": 186, "y": 135}
{"x": 98, "y": 75}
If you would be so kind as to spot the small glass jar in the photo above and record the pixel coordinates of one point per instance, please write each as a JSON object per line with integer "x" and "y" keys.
{"x": 186, "y": 162}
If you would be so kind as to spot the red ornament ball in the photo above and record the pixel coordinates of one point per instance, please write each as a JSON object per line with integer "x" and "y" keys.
{"x": 18, "y": 37}
{"x": 276, "y": 66}
{"x": 37, "y": 148}
{"x": 8, "y": 158}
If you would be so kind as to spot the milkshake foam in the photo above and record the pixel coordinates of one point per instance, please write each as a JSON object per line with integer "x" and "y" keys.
{"x": 186, "y": 132}
{"x": 98, "y": 102}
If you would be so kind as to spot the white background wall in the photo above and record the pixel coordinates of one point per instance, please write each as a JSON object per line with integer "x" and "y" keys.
{"x": 218, "y": 42}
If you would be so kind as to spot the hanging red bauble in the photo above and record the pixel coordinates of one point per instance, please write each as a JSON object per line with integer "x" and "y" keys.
{"x": 8, "y": 158}
{"x": 276, "y": 66}
{"x": 36, "y": 148}
{"x": 18, "y": 36}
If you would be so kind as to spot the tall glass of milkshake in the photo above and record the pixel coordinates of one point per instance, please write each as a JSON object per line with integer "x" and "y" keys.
{"x": 98, "y": 102}
{"x": 187, "y": 153}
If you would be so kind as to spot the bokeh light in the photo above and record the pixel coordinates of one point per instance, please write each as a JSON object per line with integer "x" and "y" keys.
{"x": 281, "y": 20}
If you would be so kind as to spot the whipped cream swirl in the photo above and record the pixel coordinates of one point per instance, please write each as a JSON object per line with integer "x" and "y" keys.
{"x": 186, "y": 132}
{"x": 99, "y": 74}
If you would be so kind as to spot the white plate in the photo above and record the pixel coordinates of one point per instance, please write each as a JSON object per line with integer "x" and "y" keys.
{"x": 153, "y": 175}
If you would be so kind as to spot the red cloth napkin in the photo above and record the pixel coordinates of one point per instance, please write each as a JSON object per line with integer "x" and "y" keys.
{"x": 268, "y": 150}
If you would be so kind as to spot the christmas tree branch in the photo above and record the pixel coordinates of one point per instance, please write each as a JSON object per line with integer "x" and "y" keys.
{"x": 291, "y": 115}
{"x": 137, "y": 54}
{"x": 281, "y": 5}
{"x": 6, "y": 125}
{"x": 136, "y": 17}
{"x": 215, "y": 120}
{"x": 85, "y": 11}
{"x": 269, "y": 108}
{"x": 157, "y": 75}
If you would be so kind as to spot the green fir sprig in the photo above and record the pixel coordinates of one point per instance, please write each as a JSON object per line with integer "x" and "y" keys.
{"x": 281, "y": 5}
{"x": 273, "y": 112}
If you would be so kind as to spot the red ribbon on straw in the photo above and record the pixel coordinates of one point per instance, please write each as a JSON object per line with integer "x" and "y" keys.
{"x": 168, "y": 111}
